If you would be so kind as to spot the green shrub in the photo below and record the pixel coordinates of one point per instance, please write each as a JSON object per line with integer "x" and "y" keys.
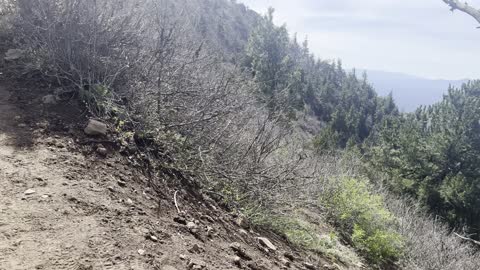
{"x": 363, "y": 216}
{"x": 303, "y": 234}
{"x": 297, "y": 231}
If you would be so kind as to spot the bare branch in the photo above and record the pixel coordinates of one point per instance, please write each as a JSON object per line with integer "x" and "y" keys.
{"x": 467, "y": 239}
{"x": 464, "y": 7}
{"x": 175, "y": 200}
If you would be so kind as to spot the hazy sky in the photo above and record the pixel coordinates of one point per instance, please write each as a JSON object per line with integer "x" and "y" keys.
{"x": 419, "y": 37}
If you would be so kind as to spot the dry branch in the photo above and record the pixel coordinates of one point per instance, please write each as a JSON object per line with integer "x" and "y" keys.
{"x": 175, "y": 200}
{"x": 464, "y": 7}
{"x": 467, "y": 239}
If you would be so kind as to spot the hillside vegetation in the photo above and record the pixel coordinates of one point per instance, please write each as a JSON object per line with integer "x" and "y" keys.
{"x": 225, "y": 102}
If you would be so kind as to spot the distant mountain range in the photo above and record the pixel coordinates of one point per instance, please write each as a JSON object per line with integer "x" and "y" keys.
{"x": 409, "y": 91}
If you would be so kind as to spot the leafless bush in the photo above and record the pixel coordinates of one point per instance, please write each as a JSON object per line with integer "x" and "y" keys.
{"x": 431, "y": 244}
{"x": 7, "y": 8}
{"x": 86, "y": 44}
{"x": 179, "y": 86}
{"x": 186, "y": 91}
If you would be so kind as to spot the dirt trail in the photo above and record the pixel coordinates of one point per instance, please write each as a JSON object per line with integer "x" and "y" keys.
{"x": 62, "y": 207}
{"x": 47, "y": 229}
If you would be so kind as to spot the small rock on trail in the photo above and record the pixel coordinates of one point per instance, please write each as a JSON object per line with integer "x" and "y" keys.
{"x": 29, "y": 192}
{"x": 240, "y": 251}
{"x": 309, "y": 266}
{"x": 193, "y": 227}
{"x": 266, "y": 243}
{"x": 196, "y": 264}
{"x": 101, "y": 150}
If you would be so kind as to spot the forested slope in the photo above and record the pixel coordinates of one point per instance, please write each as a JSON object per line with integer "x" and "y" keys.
{"x": 433, "y": 154}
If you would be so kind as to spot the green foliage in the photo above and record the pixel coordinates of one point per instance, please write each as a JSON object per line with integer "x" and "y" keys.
{"x": 433, "y": 154}
{"x": 225, "y": 24}
{"x": 297, "y": 231}
{"x": 267, "y": 51}
{"x": 301, "y": 233}
{"x": 290, "y": 78}
{"x": 99, "y": 100}
{"x": 327, "y": 140}
{"x": 380, "y": 245}
{"x": 368, "y": 223}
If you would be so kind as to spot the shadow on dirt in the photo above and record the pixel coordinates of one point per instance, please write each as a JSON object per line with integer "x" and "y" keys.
{"x": 14, "y": 130}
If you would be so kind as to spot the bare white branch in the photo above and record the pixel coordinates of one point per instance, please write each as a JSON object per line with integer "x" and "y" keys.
{"x": 464, "y": 7}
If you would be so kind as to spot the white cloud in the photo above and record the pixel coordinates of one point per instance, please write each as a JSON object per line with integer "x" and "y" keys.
{"x": 418, "y": 37}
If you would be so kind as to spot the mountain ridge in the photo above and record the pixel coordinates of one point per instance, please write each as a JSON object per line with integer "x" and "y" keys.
{"x": 410, "y": 91}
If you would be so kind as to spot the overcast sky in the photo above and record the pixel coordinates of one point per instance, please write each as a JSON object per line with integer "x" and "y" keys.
{"x": 418, "y": 37}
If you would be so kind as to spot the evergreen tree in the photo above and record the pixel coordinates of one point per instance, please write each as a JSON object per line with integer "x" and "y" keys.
{"x": 434, "y": 154}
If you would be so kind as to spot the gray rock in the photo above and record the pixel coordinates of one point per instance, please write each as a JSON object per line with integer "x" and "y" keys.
{"x": 196, "y": 249}
{"x": 240, "y": 251}
{"x": 122, "y": 183}
{"x": 309, "y": 266}
{"x": 29, "y": 192}
{"x": 95, "y": 128}
{"x": 196, "y": 264}
{"x": 180, "y": 219}
{"x": 102, "y": 151}
{"x": 193, "y": 227}
{"x": 285, "y": 262}
{"x": 237, "y": 261}
{"x": 210, "y": 231}
{"x": 266, "y": 243}
{"x": 152, "y": 238}
{"x": 141, "y": 252}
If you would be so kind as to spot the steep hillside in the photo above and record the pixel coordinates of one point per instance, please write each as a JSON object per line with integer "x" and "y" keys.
{"x": 194, "y": 134}
{"x": 66, "y": 205}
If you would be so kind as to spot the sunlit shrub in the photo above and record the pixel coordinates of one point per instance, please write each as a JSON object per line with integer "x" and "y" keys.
{"x": 369, "y": 224}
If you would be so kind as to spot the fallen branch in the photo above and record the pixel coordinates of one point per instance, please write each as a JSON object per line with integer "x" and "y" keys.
{"x": 467, "y": 239}
{"x": 175, "y": 200}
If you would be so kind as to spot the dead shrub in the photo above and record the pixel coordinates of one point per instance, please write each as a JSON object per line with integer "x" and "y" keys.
{"x": 430, "y": 243}
{"x": 7, "y": 9}
{"x": 86, "y": 44}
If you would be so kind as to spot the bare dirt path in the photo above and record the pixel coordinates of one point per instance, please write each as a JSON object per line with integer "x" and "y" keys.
{"x": 41, "y": 226}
